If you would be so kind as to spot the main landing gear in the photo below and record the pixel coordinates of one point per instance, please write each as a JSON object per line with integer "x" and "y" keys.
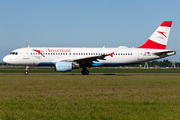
{"x": 85, "y": 71}
{"x": 26, "y": 72}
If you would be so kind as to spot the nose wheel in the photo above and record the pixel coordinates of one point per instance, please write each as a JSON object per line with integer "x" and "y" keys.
{"x": 26, "y": 72}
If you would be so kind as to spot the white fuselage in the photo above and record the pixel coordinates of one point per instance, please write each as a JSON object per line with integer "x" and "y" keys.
{"x": 66, "y": 59}
{"x": 49, "y": 56}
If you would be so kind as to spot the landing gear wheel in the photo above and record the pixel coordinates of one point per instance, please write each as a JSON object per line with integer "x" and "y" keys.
{"x": 85, "y": 72}
{"x": 26, "y": 72}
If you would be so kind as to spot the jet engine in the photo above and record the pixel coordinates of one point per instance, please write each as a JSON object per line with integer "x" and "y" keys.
{"x": 65, "y": 66}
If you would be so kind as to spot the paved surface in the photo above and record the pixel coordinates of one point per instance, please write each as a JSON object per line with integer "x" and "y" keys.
{"x": 82, "y": 75}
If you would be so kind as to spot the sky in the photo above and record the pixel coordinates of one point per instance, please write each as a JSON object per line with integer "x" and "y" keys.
{"x": 85, "y": 23}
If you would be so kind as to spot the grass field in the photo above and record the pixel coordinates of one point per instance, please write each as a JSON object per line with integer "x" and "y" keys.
{"x": 89, "y": 97}
{"x": 92, "y": 71}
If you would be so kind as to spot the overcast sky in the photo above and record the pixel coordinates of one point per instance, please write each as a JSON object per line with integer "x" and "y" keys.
{"x": 85, "y": 23}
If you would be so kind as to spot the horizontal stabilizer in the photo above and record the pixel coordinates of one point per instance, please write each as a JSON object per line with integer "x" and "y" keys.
{"x": 165, "y": 53}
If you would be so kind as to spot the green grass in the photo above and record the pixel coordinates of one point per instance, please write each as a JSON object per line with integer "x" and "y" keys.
{"x": 92, "y": 71}
{"x": 90, "y": 97}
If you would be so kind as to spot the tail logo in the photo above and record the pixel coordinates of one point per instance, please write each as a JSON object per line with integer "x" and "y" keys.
{"x": 162, "y": 33}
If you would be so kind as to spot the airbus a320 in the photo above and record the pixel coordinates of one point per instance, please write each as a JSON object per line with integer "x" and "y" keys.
{"x": 67, "y": 58}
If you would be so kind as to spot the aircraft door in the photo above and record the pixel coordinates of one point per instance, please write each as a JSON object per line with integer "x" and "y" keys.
{"x": 140, "y": 55}
{"x": 26, "y": 53}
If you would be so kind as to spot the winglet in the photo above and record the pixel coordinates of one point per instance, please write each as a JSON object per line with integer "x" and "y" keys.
{"x": 111, "y": 54}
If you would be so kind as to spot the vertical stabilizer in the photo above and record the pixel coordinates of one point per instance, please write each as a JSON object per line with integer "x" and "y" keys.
{"x": 159, "y": 38}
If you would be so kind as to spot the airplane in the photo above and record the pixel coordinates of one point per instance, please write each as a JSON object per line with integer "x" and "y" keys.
{"x": 65, "y": 59}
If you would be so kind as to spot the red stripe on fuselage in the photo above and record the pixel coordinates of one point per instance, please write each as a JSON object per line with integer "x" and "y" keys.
{"x": 166, "y": 24}
{"x": 152, "y": 45}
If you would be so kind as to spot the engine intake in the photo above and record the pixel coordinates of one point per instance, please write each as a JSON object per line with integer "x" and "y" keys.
{"x": 65, "y": 66}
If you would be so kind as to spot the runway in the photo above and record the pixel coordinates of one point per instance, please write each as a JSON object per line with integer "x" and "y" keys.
{"x": 87, "y": 75}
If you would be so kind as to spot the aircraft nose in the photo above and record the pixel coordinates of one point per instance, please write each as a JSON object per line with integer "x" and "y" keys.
{"x": 6, "y": 59}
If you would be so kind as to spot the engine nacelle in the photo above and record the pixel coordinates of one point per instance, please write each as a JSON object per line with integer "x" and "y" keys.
{"x": 65, "y": 66}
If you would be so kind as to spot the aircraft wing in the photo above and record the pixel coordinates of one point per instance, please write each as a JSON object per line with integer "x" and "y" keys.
{"x": 165, "y": 53}
{"x": 91, "y": 59}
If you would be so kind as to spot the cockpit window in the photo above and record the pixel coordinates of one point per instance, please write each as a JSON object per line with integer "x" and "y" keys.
{"x": 14, "y": 53}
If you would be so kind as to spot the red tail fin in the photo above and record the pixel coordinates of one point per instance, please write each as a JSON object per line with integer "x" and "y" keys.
{"x": 159, "y": 38}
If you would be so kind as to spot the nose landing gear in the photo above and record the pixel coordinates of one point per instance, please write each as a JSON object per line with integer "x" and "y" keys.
{"x": 26, "y": 72}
